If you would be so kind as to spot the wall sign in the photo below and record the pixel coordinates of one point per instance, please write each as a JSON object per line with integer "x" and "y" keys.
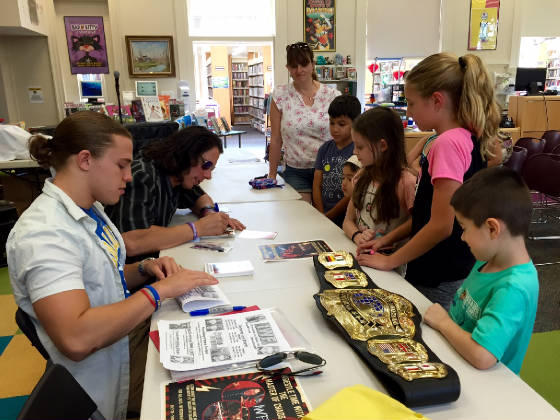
{"x": 483, "y": 26}
{"x": 319, "y": 24}
{"x": 87, "y": 48}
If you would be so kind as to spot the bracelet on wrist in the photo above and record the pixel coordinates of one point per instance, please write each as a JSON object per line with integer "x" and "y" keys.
{"x": 146, "y": 293}
{"x": 207, "y": 209}
{"x": 355, "y": 233}
{"x": 195, "y": 233}
{"x": 141, "y": 268}
{"x": 155, "y": 294}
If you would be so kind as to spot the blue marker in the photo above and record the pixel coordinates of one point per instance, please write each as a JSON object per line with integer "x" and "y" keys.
{"x": 216, "y": 208}
{"x": 216, "y": 310}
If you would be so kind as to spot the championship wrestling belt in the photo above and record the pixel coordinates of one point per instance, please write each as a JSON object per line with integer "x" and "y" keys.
{"x": 368, "y": 313}
{"x": 384, "y": 328}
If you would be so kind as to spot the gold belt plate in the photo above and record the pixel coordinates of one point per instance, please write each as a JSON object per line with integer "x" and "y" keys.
{"x": 369, "y": 313}
{"x": 411, "y": 371}
{"x": 336, "y": 259}
{"x": 397, "y": 350}
{"x": 346, "y": 278}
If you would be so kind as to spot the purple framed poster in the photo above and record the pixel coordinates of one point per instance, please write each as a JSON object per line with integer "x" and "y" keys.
{"x": 87, "y": 48}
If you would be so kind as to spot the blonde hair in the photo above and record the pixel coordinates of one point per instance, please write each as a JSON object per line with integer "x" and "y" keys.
{"x": 467, "y": 81}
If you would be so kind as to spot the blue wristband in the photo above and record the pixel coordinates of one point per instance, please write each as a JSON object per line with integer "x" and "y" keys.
{"x": 155, "y": 294}
{"x": 195, "y": 233}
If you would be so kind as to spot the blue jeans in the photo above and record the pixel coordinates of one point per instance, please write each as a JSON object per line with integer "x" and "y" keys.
{"x": 300, "y": 179}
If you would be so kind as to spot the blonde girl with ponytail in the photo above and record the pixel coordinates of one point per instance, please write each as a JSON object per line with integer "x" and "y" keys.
{"x": 453, "y": 96}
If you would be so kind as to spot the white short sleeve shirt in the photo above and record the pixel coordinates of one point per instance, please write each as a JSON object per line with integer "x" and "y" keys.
{"x": 303, "y": 128}
{"x": 54, "y": 248}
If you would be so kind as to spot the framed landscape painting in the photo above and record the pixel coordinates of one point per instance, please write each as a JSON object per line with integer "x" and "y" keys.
{"x": 150, "y": 56}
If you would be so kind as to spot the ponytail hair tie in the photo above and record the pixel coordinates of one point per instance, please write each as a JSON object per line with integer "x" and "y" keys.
{"x": 462, "y": 63}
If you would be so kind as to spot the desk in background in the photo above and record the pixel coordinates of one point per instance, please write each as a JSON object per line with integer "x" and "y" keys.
{"x": 496, "y": 393}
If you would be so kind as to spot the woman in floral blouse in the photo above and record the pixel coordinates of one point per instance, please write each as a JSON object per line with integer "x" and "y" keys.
{"x": 299, "y": 120}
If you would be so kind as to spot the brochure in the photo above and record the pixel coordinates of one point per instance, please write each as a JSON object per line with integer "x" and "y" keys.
{"x": 218, "y": 341}
{"x": 293, "y": 250}
{"x": 202, "y": 297}
{"x": 247, "y": 396}
{"x": 229, "y": 268}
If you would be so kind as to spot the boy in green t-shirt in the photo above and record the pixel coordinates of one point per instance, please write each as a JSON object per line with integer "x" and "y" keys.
{"x": 492, "y": 314}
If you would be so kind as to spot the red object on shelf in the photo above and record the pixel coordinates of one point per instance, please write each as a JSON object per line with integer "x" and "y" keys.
{"x": 397, "y": 74}
{"x": 373, "y": 67}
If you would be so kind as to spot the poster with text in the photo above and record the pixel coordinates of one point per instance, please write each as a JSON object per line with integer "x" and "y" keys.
{"x": 483, "y": 27}
{"x": 87, "y": 48}
{"x": 319, "y": 24}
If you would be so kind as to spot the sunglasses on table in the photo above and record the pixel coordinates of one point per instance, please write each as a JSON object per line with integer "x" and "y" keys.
{"x": 265, "y": 365}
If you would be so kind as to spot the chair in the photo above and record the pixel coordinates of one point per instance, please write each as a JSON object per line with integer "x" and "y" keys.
{"x": 25, "y": 324}
{"x": 532, "y": 144}
{"x": 58, "y": 395}
{"x": 552, "y": 138}
{"x": 541, "y": 172}
{"x": 517, "y": 159}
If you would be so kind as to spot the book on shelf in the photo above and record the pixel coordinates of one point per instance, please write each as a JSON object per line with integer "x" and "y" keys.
{"x": 213, "y": 124}
{"x": 113, "y": 112}
{"x": 137, "y": 110}
{"x": 202, "y": 297}
{"x": 229, "y": 268}
{"x": 164, "y": 104}
{"x": 225, "y": 124}
{"x": 246, "y": 396}
{"x": 152, "y": 108}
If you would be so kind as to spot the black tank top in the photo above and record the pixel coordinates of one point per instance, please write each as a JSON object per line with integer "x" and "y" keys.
{"x": 451, "y": 259}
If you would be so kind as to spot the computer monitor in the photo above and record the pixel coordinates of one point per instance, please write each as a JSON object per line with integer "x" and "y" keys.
{"x": 146, "y": 88}
{"x": 530, "y": 79}
{"x": 92, "y": 90}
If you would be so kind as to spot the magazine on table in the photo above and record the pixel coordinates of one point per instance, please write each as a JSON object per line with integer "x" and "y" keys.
{"x": 202, "y": 297}
{"x": 214, "y": 341}
{"x": 293, "y": 250}
{"x": 247, "y": 396}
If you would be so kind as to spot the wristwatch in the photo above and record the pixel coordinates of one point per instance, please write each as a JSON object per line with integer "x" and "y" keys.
{"x": 206, "y": 209}
{"x": 141, "y": 266}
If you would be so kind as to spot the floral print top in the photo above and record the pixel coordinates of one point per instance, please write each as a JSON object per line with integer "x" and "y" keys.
{"x": 303, "y": 128}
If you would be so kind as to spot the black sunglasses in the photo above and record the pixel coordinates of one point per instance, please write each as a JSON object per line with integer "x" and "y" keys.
{"x": 302, "y": 45}
{"x": 265, "y": 364}
{"x": 206, "y": 164}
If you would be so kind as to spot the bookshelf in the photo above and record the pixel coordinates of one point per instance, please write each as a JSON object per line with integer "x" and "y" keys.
{"x": 343, "y": 76}
{"x": 209, "y": 77}
{"x": 552, "y": 74}
{"x": 240, "y": 92}
{"x": 259, "y": 86}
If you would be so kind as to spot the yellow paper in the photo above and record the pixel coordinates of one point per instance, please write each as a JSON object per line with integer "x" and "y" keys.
{"x": 359, "y": 402}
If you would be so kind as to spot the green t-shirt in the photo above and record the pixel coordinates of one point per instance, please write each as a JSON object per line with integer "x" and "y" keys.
{"x": 499, "y": 310}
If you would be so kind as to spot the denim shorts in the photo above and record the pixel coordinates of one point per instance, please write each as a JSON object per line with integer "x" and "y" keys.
{"x": 300, "y": 179}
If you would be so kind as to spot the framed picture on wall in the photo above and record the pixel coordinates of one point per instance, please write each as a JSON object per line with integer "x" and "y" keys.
{"x": 483, "y": 25}
{"x": 150, "y": 56}
{"x": 319, "y": 24}
{"x": 87, "y": 49}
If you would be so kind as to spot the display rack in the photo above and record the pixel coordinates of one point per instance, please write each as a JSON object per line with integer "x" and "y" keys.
{"x": 343, "y": 76}
{"x": 256, "y": 94}
{"x": 388, "y": 78}
{"x": 209, "y": 77}
{"x": 552, "y": 74}
{"x": 240, "y": 92}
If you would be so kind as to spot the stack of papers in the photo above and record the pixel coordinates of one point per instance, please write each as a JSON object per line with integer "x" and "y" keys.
{"x": 195, "y": 346}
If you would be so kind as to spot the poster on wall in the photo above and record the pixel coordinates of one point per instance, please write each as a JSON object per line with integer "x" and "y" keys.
{"x": 319, "y": 24}
{"x": 483, "y": 27}
{"x": 87, "y": 48}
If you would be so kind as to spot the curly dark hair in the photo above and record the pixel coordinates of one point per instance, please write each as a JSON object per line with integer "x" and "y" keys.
{"x": 182, "y": 150}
